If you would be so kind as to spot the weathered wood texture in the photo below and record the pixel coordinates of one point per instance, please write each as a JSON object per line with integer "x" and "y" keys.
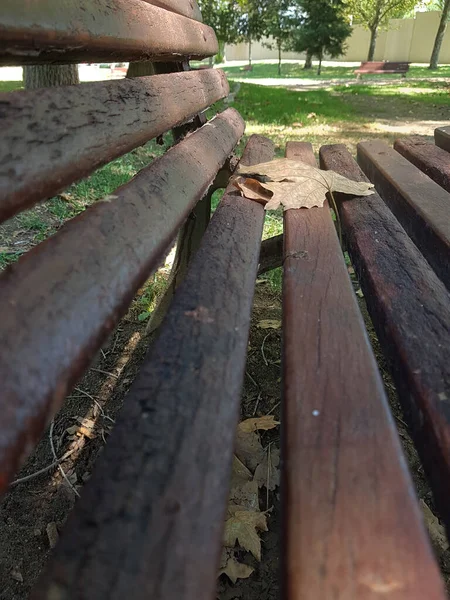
{"x": 149, "y": 522}
{"x": 420, "y": 204}
{"x": 430, "y": 159}
{"x": 59, "y": 302}
{"x": 410, "y": 309}
{"x": 187, "y": 8}
{"x": 53, "y": 137}
{"x": 64, "y": 31}
{"x": 271, "y": 254}
{"x": 442, "y": 138}
{"x": 352, "y": 526}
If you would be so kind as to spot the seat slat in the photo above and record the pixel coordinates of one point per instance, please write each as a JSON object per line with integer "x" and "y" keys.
{"x": 59, "y": 301}
{"x": 187, "y": 8}
{"x": 352, "y": 527}
{"x": 420, "y": 204}
{"x": 410, "y": 309}
{"x": 430, "y": 159}
{"x": 53, "y": 137}
{"x": 63, "y": 31}
{"x": 442, "y": 138}
{"x": 150, "y": 520}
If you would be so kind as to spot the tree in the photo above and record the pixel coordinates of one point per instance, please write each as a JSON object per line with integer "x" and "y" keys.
{"x": 223, "y": 17}
{"x": 373, "y": 14}
{"x": 444, "y": 7}
{"x": 281, "y": 19}
{"x": 42, "y": 76}
{"x": 323, "y": 31}
{"x": 253, "y": 22}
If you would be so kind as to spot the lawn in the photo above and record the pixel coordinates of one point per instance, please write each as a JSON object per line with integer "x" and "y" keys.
{"x": 338, "y": 113}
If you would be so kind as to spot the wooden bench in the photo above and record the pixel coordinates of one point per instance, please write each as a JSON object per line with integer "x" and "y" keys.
{"x": 149, "y": 522}
{"x": 382, "y": 67}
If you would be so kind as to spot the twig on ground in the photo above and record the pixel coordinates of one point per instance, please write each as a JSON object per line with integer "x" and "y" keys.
{"x": 63, "y": 473}
{"x": 257, "y": 403}
{"x": 103, "y": 354}
{"x": 104, "y": 372}
{"x": 274, "y": 408}
{"x": 262, "y": 349}
{"x": 252, "y": 380}
{"x": 44, "y": 470}
{"x": 103, "y": 414}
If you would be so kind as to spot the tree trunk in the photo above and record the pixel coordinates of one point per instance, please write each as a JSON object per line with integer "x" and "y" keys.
{"x": 279, "y": 58}
{"x": 308, "y": 60}
{"x": 434, "y": 61}
{"x": 43, "y": 76}
{"x": 250, "y": 52}
{"x": 373, "y": 43}
{"x": 220, "y": 56}
{"x": 140, "y": 69}
{"x": 319, "y": 70}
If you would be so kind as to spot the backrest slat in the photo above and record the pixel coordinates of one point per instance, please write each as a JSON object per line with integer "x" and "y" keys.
{"x": 430, "y": 159}
{"x": 151, "y": 517}
{"x": 50, "y": 138}
{"x": 63, "y": 31}
{"x": 442, "y": 138}
{"x": 59, "y": 301}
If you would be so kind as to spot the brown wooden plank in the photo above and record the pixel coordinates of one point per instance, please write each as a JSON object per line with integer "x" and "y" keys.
{"x": 430, "y": 159}
{"x": 442, "y": 138}
{"x": 420, "y": 204}
{"x": 352, "y": 527}
{"x": 271, "y": 254}
{"x": 187, "y": 8}
{"x": 149, "y": 522}
{"x": 59, "y": 301}
{"x": 53, "y": 137}
{"x": 410, "y": 309}
{"x": 64, "y": 31}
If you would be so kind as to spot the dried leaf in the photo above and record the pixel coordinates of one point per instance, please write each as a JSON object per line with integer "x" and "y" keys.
{"x": 252, "y": 189}
{"x": 248, "y": 449}
{"x": 435, "y": 529}
{"x": 52, "y": 534}
{"x": 233, "y": 569}
{"x": 243, "y": 527}
{"x": 267, "y": 473}
{"x": 244, "y": 491}
{"x": 269, "y": 324}
{"x": 295, "y": 184}
{"x": 263, "y": 423}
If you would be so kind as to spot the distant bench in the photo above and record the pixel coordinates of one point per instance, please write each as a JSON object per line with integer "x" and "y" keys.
{"x": 382, "y": 67}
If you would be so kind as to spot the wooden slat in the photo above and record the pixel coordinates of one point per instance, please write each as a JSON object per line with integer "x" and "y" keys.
{"x": 149, "y": 522}
{"x": 352, "y": 527}
{"x": 64, "y": 31}
{"x": 420, "y": 204}
{"x": 430, "y": 159}
{"x": 442, "y": 138}
{"x": 60, "y": 301}
{"x": 187, "y": 8}
{"x": 410, "y": 309}
{"x": 271, "y": 254}
{"x": 53, "y": 137}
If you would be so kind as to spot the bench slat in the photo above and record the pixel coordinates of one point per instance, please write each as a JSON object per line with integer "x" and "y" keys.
{"x": 63, "y": 31}
{"x": 149, "y": 522}
{"x": 352, "y": 526}
{"x": 67, "y": 294}
{"x": 187, "y": 8}
{"x": 410, "y": 309}
{"x": 442, "y": 138}
{"x": 53, "y": 137}
{"x": 430, "y": 159}
{"x": 420, "y": 204}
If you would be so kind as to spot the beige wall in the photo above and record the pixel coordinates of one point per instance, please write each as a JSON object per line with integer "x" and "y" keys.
{"x": 405, "y": 40}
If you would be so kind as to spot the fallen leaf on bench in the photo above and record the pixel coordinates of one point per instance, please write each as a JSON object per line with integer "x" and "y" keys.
{"x": 267, "y": 473}
{"x": 269, "y": 324}
{"x": 243, "y": 528}
{"x": 294, "y": 184}
{"x": 233, "y": 569}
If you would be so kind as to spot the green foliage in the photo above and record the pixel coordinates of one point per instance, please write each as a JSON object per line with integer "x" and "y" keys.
{"x": 282, "y": 18}
{"x": 373, "y": 14}
{"x": 252, "y": 22}
{"x": 324, "y": 29}
{"x": 223, "y": 17}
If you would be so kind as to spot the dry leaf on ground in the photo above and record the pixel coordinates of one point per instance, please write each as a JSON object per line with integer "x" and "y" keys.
{"x": 267, "y": 473}
{"x": 264, "y": 423}
{"x": 243, "y": 527}
{"x": 269, "y": 324}
{"x": 294, "y": 184}
{"x": 435, "y": 529}
{"x": 244, "y": 491}
{"x": 247, "y": 445}
{"x": 233, "y": 569}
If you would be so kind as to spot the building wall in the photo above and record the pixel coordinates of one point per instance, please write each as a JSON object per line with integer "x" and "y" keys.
{"x": 404, "y": 40}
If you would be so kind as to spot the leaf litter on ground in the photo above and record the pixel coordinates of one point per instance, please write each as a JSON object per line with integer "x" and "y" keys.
{"x": 253, "y": 467}
{"x": 294, "y": 184}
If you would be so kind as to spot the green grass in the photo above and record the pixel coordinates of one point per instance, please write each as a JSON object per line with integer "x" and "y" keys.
{"x": 10, "y": 86}
{"x": 295, "y": 70}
